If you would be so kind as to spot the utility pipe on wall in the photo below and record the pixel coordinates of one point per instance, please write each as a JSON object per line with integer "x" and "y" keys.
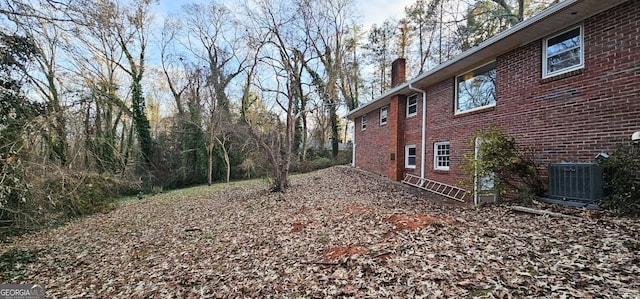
{"x": 424, "y": 128}
{"x": 353, "y": 145}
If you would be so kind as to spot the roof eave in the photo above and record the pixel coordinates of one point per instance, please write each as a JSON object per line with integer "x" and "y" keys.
{"x": 552, "y": 19}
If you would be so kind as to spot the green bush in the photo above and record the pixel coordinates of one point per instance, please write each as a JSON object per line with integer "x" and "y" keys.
{"x": 17, "y": 210}
{"x": 511, "y": 165}
{"x": 322, "y": 163}
{"x": 53, "y": 196}
{"x": 622, "y": 179}
{"x": 79, "y": 194}
{"x": 311, "y": 165}
{"x": 304, "y": 166}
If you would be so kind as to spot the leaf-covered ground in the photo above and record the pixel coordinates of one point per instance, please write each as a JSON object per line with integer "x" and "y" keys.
{"x": 336, "y": 233}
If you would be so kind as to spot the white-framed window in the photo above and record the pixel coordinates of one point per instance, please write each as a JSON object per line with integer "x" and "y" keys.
{"x": 363, "y": 122}
{"x": 410, "y": 156}
{"x": 441, "y": 156}
{"x": 563, "y": 52}
{"x": 384, "y": 113}
{"x": 412, "y": 105}
{"x": 476, "y": 89}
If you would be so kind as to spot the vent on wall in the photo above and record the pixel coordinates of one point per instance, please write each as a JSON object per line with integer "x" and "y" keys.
{"x": 575, "y": 181}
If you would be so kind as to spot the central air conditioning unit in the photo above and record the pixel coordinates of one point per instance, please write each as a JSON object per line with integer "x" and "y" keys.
{"x": 576, "y": 181}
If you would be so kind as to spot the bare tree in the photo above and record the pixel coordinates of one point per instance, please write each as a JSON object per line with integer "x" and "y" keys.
{"x": 45, "y": 79}
{"x": 486, "y": 18}
{"x": 128, "y": 26}
{"x": 379, "y": 50}
{"x": 214, "y": 37}
{"x": 25, "y": 9}
{"x": 422, "y": 14}
{"x": 97, "y": 59}
{"x": 173, "y": 64}
{"x": 351, "y": 78}
{"x": 327, "y": 25}
{"x": 280, "y": 49}
{"x": 186, "y": 80}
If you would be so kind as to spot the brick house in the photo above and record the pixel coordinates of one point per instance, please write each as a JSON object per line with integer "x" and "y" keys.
{"x": 565, "y": 82}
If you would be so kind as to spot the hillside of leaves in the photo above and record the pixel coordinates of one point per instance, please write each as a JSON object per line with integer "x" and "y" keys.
{"x": 337, "y": 232}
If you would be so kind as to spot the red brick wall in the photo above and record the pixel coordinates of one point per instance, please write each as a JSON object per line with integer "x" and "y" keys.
{"x": 570, "y": 117}
{"x": 443, "y": 126}
{"x": 396, "y": 137}
{"x": 413, "y": 133}
{"x": 372, "y": 144}
{"x": 398, "y": 71}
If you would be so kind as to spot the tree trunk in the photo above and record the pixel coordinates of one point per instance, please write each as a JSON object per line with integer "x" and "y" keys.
{"x": 210, "y": 168}
{"x": 126, "y": 147}
{"x": 520, "y": 10}
{"x": 335, "y": 137}
{"x": 227, "y": 161}
{"x": 141, "y": 121}
{"x": 305, "y": 131}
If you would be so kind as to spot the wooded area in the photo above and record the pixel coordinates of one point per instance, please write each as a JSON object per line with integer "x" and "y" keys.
{"x": 107, "y": 98}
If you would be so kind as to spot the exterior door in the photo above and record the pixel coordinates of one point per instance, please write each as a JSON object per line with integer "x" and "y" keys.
{"x": 483, "y": 187}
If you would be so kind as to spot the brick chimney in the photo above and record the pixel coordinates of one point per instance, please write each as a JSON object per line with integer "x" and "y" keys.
{"x": 395, "y": 120}
{"x": 398, "y": 71}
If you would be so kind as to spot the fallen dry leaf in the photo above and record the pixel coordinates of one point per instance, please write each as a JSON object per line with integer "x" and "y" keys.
{"x": 336, "y": 233}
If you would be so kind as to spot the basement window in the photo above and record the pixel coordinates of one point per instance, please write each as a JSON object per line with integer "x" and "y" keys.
{"x": 476, "y": 89}
{"x": 563, "y": 52}
{"x": 363, "y": 122}
{"x": 410, "y": 156}
{"x": 412, "y": 105}
{"x": 441, "y": 151}
{"x": 384, "y": 113}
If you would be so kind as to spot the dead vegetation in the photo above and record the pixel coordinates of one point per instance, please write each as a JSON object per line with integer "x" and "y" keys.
{"x": 336, "y": 233}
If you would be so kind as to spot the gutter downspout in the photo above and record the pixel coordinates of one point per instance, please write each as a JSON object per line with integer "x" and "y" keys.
{"x": 353, "y": 145}
{"x": 424, "y": 128}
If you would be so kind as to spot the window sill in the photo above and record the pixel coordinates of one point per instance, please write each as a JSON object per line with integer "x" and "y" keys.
{"x": 561, "y": 76}
{"x": 443, "y": 171}
{"x": 475, "y": 111}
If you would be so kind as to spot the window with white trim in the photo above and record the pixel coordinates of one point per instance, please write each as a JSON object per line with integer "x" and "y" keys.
{"x": 476, "y": 89}
{"x": 410, "y": 156}
{"x": 412, "y": 105}
{"x": 384, "y": 113}
{"x": 563, "y": 52}
{"x": 363, "y": 122}
{"x": 441, "y": 151}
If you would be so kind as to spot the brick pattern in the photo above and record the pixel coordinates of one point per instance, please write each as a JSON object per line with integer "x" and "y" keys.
{"x": 396, "y": 138}
{"x": 570, "y": 117}
{"x": 371, "y": 144}
{"x": 413, "y": 132}
{"x": 398, "y": 71}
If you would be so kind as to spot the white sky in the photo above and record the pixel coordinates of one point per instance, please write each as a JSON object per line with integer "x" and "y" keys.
{"x": 377, "y": 11}
{"x": 371, "y": 11}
